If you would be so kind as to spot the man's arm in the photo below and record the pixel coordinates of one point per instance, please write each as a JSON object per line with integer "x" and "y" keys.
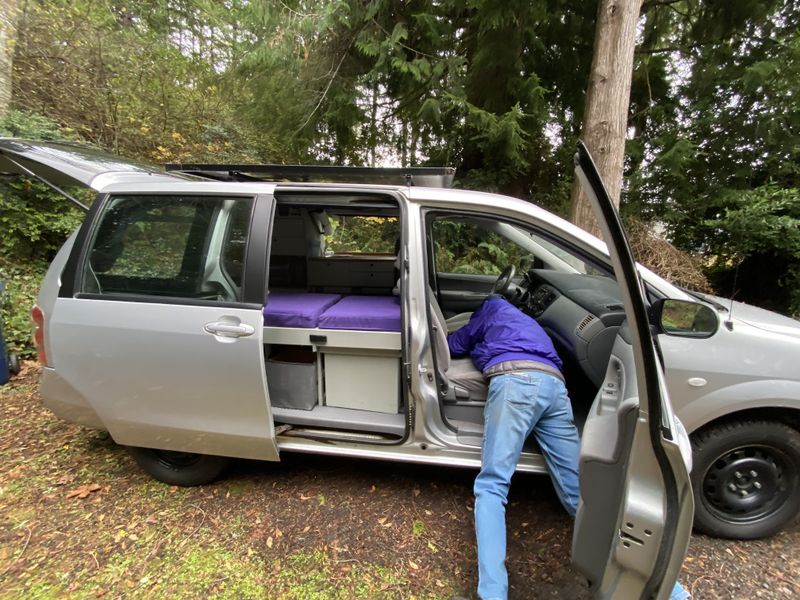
{"x": 461, "y": 341}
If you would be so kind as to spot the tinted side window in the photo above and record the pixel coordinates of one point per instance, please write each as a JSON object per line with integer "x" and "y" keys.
{"x": 179, "y": 246}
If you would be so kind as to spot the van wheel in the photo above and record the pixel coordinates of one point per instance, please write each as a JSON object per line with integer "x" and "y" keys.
{"x": 180, "y": 468}
{"x": 13, "y": 363}
{"x": 746, "y": 479}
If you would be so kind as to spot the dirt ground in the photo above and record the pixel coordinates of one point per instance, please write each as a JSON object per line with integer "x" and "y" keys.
{"x": 78, "y": 519}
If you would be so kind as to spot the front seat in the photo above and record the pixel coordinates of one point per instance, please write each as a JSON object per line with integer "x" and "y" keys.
{"x": 463, "y": 381}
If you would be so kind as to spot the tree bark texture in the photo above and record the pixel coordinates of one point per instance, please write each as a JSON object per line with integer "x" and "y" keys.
{"x": 9, "y": 13}
{"x": 605, "y": 117}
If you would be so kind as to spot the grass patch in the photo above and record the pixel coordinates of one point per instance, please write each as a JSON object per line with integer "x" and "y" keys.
{"x": 317, "y": 576}
{"x": 130, "y": 536}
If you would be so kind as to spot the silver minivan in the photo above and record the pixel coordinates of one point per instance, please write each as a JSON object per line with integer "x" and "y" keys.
{"x": 206, "y": 313}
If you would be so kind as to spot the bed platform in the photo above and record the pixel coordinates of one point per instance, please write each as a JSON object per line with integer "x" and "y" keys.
{"x": 355, "y": 346}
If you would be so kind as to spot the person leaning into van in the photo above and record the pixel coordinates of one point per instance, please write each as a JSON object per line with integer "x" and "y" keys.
{"x": 526, "y": 396}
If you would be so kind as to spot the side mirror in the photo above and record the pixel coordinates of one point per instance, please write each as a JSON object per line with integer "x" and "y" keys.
{"x": 684, "y": 318}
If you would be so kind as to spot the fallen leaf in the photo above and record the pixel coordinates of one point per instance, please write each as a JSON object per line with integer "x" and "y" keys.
{"x": 307, "y": 528}
{"x": 269, "y": 542}
{"x": 439, "y": 583}
{"x": 65, "y": 479}
{"x": 278, "y": 533}
{"x": 413, "y": 565}
{"x": 382, "y": 520}
{"x": 83, "y": 491}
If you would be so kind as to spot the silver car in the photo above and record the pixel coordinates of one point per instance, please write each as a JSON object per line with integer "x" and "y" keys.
{"x": 205, "y": 313}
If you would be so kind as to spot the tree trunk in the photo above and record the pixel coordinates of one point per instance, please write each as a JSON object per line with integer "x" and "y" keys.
{"x": 9, "y": 12}
{"x": 605, "y": 116}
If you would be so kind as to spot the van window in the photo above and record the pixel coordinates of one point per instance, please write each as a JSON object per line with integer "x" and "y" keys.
{"x": 360, "y": 234}
{"x": 468, "y": 248}
{"x": 179, "y": 246}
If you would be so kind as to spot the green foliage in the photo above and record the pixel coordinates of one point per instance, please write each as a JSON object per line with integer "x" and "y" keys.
{"x": 21, "y": 287}
{"x": 762, "y": 227}
{"x": 73, "y": 63}
{"x": 465, "y": 248}
{"x": 716, "y": 154}
{"x": 363, "y": 235}
{"x": 35, "y": 221}
{"x": 493, "y": 88}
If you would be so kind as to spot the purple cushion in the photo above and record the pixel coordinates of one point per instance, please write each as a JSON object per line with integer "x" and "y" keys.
{"x": 286, "y": 309}
{"x": 370, "y": 313}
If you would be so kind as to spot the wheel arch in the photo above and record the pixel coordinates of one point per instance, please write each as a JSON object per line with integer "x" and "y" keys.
{"x": 772, "y": 400}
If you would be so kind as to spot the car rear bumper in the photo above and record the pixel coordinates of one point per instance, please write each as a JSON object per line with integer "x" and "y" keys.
{"x": 65, "y": 401}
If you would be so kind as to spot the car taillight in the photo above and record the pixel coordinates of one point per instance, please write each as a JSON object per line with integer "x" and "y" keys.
{"x": 37, "y": 314}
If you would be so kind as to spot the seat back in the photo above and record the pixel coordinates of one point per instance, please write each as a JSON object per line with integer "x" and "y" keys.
{"x": 440, "y": 346}
{"x": 461, "y": 380}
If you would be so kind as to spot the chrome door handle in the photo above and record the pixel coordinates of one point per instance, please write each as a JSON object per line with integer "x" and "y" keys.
{"x": 229, "y": 330}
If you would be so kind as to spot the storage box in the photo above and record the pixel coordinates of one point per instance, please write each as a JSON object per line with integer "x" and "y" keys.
{"x": 292, "y": 377}
{"x": 362, "y": 381}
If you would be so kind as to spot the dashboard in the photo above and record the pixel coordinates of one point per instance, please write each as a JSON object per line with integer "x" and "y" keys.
{"x": 581, "y": 313}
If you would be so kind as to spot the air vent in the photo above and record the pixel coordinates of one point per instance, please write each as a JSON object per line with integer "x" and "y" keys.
{"x": 587, "y": 320}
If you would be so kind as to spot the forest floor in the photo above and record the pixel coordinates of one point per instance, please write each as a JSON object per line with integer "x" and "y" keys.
{"x": 79, "y": 519}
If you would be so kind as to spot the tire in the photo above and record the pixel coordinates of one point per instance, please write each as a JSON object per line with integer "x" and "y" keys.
{"x": 13, "y": 363}
{"x": 746, "y": 479}
{"x": 180, "y": 468}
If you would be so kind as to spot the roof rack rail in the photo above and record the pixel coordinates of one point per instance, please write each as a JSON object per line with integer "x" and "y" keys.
{"x": 420, "y": 176}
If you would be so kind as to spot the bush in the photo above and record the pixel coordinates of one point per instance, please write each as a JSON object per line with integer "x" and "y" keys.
{"x": 757, "y": 247}
{"x": 21, "y": 287}
{"x": 35, "y": 221}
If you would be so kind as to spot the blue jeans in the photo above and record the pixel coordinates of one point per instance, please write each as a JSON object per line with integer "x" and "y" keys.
{"x": 517, "y": 405}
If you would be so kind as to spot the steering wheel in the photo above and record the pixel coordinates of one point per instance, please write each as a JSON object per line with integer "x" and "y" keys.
{"x": 504, "y": 280}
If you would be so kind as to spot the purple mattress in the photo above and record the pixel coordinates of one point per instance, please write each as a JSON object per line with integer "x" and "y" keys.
{"x": 370, "y": 313}
{"x": 301, "y": 309}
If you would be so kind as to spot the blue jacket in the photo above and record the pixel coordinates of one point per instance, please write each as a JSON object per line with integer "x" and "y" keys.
{"x": 498, "y": 331}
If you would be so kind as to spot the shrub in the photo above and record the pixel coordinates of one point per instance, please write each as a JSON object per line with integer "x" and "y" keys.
{"x": 35, "y": 221}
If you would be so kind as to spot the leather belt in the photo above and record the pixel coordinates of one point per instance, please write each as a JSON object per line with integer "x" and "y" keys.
{"x": 516, "y": 366}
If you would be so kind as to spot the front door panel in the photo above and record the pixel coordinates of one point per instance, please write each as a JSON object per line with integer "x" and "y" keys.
{"x": 635, "y": 515}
